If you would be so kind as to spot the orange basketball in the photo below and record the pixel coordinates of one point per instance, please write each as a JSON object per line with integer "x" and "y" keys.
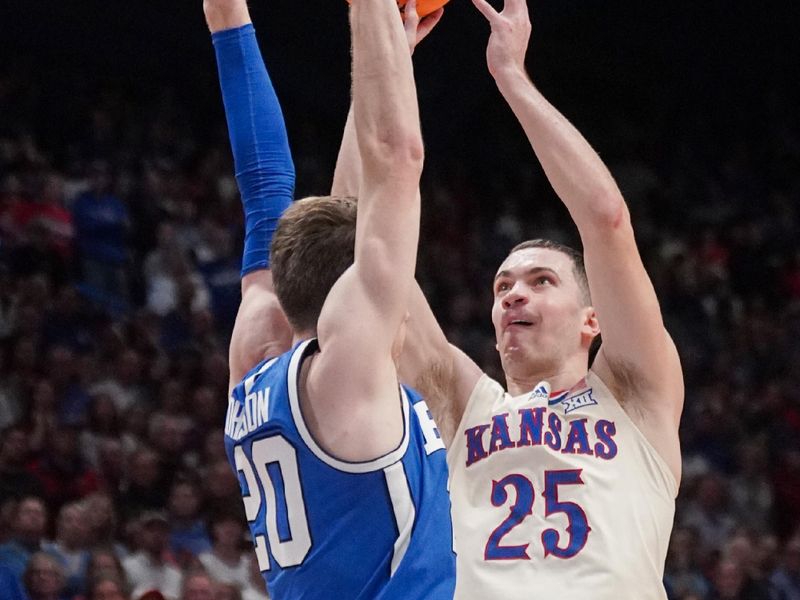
{"x": 424, "y": 7}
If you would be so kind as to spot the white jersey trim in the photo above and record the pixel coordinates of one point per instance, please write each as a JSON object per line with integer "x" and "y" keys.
{"x": 369, "y": 466}
{"x": 403, "y": 507}
{"x": 673, "y": 483}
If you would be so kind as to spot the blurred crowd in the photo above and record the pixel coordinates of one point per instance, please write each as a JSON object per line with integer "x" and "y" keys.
{"x": 119, "y": 284}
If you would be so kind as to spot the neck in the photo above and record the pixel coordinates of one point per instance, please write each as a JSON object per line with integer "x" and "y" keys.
{"x": 560, "y": 377}
{"x": 299, "y": 336}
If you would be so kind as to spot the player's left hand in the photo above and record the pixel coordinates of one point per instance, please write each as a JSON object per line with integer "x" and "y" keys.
{"x": 418, "y": 29}
{"x": 511, "y": 32}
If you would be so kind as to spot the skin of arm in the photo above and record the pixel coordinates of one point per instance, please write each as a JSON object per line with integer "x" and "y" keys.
{"x": 261, "y": 328}
{"x": 638, "y": 359}
{"x": 443, "y": 374}
{"x": 352, "y": 385}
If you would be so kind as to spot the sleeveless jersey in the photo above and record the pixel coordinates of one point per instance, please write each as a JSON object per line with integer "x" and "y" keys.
{"x": 325, "y": 528}
{"x": 557, "y": 497}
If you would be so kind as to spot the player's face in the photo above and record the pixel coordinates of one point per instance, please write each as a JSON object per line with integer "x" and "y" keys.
{"x": 538, "y": 315}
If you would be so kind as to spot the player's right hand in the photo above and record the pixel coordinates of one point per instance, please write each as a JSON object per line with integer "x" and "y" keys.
{"x": 418, "y": 29}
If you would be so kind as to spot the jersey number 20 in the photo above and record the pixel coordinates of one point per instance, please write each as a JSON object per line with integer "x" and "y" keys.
{"x": 577, "y": 528}
{"x": 266, "y": 452}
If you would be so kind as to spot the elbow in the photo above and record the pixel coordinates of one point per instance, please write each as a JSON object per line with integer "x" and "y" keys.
{"x": 401, "y": 152}
{"x": 609, "y": 211}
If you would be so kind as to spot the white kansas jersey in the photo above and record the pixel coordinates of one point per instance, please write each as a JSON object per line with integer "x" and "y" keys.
{"x": 557, "y": 496}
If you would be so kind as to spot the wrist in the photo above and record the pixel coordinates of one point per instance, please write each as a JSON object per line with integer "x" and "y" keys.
{"x": 510, "y": 76}
{"x": 224, "y": 14}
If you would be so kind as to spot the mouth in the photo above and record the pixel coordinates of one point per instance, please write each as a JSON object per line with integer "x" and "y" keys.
{"x": 519, "y": 323}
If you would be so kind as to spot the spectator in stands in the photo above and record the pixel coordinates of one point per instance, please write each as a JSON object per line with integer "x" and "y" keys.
{"x": 101, "y": 516}
{"x": 71, "y": 545}
{"x": 221, "y": 485}
{"x": 44, "y": 578}
{"x": 11, "y": 585}
{"x": 150, "y": 567}
{"x": 220, "y": 267}
{"x": 168, "y": 436}
{"x": 708, "y": 514}
{"x": 69, "y": 321}
{"x": 29, "y": 525}
{"x": 198, "y": 586}
{"x": 144, "y": 488}
{"x": 732, "y": 583}
{"x": 227, "y": 562}
{"x": 63, "y": 473}
{"x": 255, "y": 584}
{"x": 188, "y": 533}
{"x": 101, "y": 227}
{"x": 124, "y": 386}
{"x": 227, "y": 591}
{"x": 15, "y": 481}
{"x": 107, "y": 587}
{"x": 72, "y": 399}
{"x": 104, "y": 562}
{"x": 102, "y": 424}
{"x": 682, "y": 575}
{"x": 43, "y": 415}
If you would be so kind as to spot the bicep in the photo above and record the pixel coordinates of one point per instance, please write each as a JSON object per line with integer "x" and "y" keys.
{"x": 442, "y": 373}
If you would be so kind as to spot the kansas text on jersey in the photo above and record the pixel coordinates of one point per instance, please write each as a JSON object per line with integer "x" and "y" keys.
{"x": 326, "y": 528}
{"x": 557, "y": 496}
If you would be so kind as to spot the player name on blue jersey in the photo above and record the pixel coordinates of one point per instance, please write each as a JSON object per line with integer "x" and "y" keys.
{"x": 247, "y": 416}
{"x": 327, "y": 528}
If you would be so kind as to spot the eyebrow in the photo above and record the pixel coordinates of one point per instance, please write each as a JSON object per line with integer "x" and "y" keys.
{"x": 531, "y": 271}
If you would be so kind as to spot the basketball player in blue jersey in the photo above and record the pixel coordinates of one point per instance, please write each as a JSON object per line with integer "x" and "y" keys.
{"x": 564, "y": 485}
{"x": 342, "y": 470}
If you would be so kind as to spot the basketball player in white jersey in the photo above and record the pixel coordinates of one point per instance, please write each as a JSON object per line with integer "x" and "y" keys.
{"x": 564, "y": 485}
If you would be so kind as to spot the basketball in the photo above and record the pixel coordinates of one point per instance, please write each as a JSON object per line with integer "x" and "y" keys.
{"x": 424, "y": 7}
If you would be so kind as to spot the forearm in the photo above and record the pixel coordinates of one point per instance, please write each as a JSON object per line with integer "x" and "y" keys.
{"x": 385, "y": 109}
{"x": 263, "y": 162}
{"x": 572, "y": 166}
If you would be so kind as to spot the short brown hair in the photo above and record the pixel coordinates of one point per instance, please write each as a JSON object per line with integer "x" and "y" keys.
{"x": 578, "y": 266}
{"x": 312, "y": 246}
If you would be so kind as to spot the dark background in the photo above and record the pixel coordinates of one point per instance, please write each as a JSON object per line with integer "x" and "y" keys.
{"x": 661, "y": 66}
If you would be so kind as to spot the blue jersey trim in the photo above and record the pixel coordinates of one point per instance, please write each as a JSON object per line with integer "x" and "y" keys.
{"x": 333, "y": 462}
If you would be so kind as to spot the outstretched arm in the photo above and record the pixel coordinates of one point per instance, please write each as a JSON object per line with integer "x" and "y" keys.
{"x": 637, "y": 359}
{"x": 264, "y": 173}
{"x": 353, "y": 384}
{"x": 444, "y": 375}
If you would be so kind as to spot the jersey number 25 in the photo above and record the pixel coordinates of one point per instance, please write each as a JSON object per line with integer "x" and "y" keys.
{"x": 577, "y": 528}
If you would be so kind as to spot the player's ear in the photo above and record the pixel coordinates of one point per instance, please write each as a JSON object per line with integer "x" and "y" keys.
{"x": 591, "y": 326}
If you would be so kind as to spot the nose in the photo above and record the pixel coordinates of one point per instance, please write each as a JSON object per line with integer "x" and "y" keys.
{"x": 515, "y": 296}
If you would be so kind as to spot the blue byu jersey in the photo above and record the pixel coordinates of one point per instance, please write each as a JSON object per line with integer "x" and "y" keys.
{"x": 325, "y": 528}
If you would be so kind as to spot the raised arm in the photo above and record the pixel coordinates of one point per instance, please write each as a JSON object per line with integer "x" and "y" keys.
{"x": 444, "y": 375}
{"x": 638, "y": 360}
{"x": 353, "y": 384}
{"x": 264, "y": 173}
